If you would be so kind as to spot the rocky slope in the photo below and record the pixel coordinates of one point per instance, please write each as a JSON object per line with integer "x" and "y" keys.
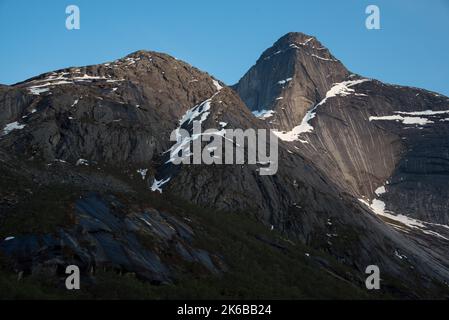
{"x": 124, "y": 105}
{"x": 362, "y": 134}
{"x": 103, "y": 132}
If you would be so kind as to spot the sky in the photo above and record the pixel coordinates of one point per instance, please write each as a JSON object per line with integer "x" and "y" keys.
{"x": 225, "y": 38}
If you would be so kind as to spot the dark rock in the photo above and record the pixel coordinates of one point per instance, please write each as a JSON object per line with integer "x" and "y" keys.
{"x": 101, "y": 239}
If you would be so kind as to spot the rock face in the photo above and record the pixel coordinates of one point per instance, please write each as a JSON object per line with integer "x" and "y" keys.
{"x": 129, "y": 105}
{"x": 384, "y": 144}
{"x": 361, "y": 133}
{"x": 106, "y": 238}
{"x": 295, "y": 73}
{"x": 342, "y": 138}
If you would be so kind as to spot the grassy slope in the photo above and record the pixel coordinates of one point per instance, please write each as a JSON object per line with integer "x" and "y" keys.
{"x": 257, "y": 269}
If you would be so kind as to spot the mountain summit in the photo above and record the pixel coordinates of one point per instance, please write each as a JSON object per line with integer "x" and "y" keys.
{"x": 288, "y": 78}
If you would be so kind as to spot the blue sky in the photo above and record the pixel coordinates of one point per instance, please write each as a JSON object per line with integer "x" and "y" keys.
{"x": 225, "y": 38}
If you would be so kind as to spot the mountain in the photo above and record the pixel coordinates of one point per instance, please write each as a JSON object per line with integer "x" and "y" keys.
{"x": 108, "y": 113}
{"x": 88, "y": 179}
{"x": 363, "y": 134}
{"x": 290, "y": 76}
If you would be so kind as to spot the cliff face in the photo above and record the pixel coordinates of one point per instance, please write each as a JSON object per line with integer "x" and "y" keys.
{"x": 290, "y": 77}
{"x": 386, "y": 138}
{"x": 385, "y": 145}
{"x": 104, "y": 132}
{"x": 361, "y": 133}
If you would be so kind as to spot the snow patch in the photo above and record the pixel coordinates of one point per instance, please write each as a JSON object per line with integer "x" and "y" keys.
{"x": 381, "y": 190}
{"x": 201, "y": 109}
{"x": 338, "y": 89}
{"x": 157, "y": 184}
{"x": 293, "y": 134}
{"x": 43, "y": 85}
{"x": 37, "y": 91}
{"x": 404, "y": 120}
{"x": 199, "y": 113}
{"x": 263, "y": 114}
{"x": 282, "y": 82}
{"x": 142, "y": 172}
{"x": 412, "y": 117}
{"x": 342, "y": 89}
{"x": 82, "y": 162}
{"x": 423, "y": 113}
{"x": 295, "y": 45}
{"x": 379, "y": 208}
{"x": 217, "y": 84}
{"x": 400, "y": 256}
{"x": 321, "y": 58}
{"x": 12, "y": 126}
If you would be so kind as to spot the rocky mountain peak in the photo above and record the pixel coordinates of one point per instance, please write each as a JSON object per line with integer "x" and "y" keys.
{"x": 294, "y": 36}
{"x": 293, "y": 40}
{"x": 289, "y": 78}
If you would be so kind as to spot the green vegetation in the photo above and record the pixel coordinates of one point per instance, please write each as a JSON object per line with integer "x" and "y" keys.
{"x": 43, "y": 211}
{"x": 271, "y": 268}
{"x": 260, "y": 263}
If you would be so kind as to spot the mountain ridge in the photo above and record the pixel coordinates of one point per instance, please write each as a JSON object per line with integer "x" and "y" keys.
{"x": 108, "y": 126}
